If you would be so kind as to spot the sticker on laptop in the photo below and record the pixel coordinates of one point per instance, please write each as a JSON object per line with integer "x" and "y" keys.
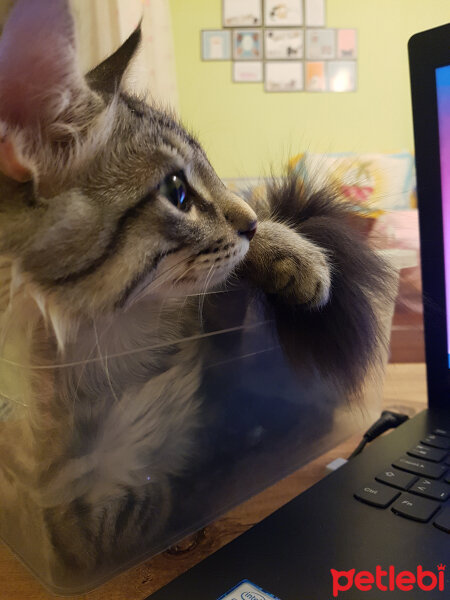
{"x": 246, "y": 590}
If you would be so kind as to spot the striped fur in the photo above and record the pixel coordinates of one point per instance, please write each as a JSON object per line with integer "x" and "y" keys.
{"x": 101, "y": 292}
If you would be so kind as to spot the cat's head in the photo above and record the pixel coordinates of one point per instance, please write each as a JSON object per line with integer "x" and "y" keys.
{"x": 103, "y": 199}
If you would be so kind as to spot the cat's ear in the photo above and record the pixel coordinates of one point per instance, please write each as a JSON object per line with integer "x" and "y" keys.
{"x": 12, "y": 164}
{"x": 42, "y": 90}
{"x": 106, "y": 77}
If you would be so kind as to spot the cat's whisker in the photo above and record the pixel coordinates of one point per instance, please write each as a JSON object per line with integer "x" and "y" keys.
{"x": 83, "y": 369}
{"x": 172, "y": 267}
{"x": 80, "y": 377}
{"x": 186, "y": 297}
{"x": 133, "y": 351}
{"x": 148, "y": 289}
{"x": 242, "y": 356}
{"x": 7, "y": 398}
{"x": 104, "y": 360}
{"x": 181, "y": 312}
{"x": 160, "y": 314}
{"x": 203, "y": 294}
{"x": 184, "y": 274}
{"x": 151, "y": 287}
{"x": 201, "y": 304}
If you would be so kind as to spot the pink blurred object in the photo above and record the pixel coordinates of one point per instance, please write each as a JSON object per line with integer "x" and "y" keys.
{"x": 398, "y": 231}
{"x": 396, "y": 235}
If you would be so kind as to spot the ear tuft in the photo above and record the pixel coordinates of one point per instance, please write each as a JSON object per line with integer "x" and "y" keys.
{"x": 11, "y": 164}
{"x": 105, "y": 78}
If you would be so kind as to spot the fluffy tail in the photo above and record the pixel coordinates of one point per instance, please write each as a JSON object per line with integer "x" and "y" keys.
{"x": 345, "y": 338}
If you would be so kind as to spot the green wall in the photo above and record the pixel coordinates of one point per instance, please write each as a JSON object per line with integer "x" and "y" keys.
{"x": 246, "y": 131}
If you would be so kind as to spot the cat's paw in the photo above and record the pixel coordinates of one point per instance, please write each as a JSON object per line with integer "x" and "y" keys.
{"x": 281, "y": 261}
{"x": 303, "y": 278}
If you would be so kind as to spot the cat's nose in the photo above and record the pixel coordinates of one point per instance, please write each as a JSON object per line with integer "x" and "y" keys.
{"x": 239, "y": 215}
{"x": 249, "y": 233}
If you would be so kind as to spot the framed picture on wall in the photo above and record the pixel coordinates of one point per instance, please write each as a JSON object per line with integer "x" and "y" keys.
{"x": 216, "y": 44}
{"x": 315, "y": 13}
{"x": 283, "y": 76}
{"x": 346, "y": 43}
{"x": 247, "y": 71}
{"x": 283, "y": 44}
{"x": 279, "y": 13}
{"x": 241, "y": 13}
{"x": 341, "y": 76}
{"x": 316, "y": 76}
{"x": 320, "y": 44}
{"x": 247, "y": 44}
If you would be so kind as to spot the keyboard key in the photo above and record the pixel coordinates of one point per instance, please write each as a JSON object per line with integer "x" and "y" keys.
{"x": 413, "y": 507}
{"x": 444, "y": 432}
{"x": 443, "y": 520}
{"x": 447, "y": 478}
{"x": 437, "y": 441}
{"x": 431, "y": 489}
{"x": 376, "y": 494}
{"x": 419, "y": 467}
{"x": 396, "y": 478}
{"x": 447, "y": 460}
{"x": 433, "y": 454}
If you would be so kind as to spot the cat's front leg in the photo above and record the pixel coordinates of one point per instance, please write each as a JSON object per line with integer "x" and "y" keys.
{"x": 283, "y": 262}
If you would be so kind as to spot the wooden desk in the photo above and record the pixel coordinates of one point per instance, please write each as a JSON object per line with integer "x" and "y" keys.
{"x": 405, "y": 390}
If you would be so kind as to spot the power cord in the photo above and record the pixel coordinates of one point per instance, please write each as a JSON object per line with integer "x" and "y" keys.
{"x": 387, "y": 420}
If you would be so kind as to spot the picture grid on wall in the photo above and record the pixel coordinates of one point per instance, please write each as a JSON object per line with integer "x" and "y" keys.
{"x": 285, "y": 44}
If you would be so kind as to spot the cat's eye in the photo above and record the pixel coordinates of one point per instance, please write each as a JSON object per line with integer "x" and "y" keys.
{"x": 173, "y": 187}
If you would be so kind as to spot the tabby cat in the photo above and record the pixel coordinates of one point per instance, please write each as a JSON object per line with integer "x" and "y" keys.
{"x": 113, "y": 226}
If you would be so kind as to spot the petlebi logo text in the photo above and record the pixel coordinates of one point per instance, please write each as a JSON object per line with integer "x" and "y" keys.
{"x": 388, "y": 580}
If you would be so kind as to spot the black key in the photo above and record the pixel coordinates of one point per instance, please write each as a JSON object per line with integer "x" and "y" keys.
{"x": 444, "y": 432}
{"x": 447, "y": 478}
{"x": 433, "y": 454}
{"x": 447, "y": 460}
{"x": 443, "y": 520}
{"x": 431, "y": 489}
{"x": 376, "y": 494}
{"x": 396, "y": 478}
{"x": 413, "y": 507}
{"x": 419, "y": 467}
{"x": 437, "y": 441}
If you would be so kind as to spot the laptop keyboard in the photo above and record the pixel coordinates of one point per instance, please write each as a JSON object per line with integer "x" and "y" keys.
{"x": 416, "y": 485}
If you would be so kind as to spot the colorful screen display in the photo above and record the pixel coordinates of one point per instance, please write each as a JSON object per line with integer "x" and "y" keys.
{"x": 443, "y": 101}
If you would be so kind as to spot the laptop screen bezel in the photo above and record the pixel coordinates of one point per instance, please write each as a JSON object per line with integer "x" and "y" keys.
{"x": 428, "y": 51}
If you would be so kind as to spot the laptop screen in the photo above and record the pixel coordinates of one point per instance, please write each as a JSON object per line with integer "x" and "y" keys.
{"x": 429, "y": 63}
{"x": 443, "y": 101}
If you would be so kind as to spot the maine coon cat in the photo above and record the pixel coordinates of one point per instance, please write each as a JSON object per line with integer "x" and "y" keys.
{"x": 113, "y": 225}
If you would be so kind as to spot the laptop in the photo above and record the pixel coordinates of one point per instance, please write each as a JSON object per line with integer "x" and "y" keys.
{"x": 379, "y": 526}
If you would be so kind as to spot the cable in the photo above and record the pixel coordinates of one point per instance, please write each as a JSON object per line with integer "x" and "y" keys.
{"x": 387, "y": 420}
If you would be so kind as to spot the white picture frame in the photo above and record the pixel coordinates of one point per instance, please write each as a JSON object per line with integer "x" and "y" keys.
{"x": 342, "y": 75}
{"x": 216, "y": 44}
{"x": 283, "y": 44}
{"x": 247, "y": 71}
{"x": 241, "y": 13}
{"x": 283, "y": 13}
{"x": 283, "y": 76}
{"x": 320, "y": 44}
{"x": 315, "y": 13}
